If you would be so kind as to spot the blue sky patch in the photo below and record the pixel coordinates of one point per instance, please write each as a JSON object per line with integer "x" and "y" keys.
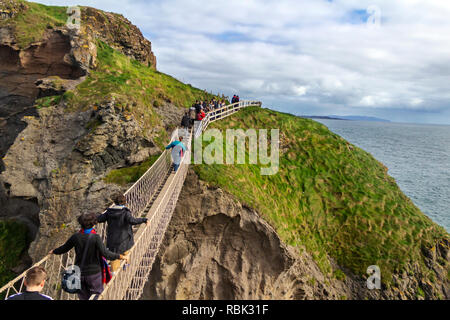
{"x": 358, "y": 17}
{"x": 231, "y": 36}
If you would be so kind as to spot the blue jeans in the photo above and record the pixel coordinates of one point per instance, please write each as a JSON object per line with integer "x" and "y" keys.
{"x": 175, "y": 167}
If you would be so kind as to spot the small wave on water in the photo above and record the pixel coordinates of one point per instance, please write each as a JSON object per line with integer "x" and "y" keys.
{"x": 417, "y": 156}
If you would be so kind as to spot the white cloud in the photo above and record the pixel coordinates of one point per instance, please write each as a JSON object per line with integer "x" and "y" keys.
{"x": 303, "y": 52}
{"x": 300, "y": 90}
{"x": 367, "y": 101}
{"x": 416, "y": 101}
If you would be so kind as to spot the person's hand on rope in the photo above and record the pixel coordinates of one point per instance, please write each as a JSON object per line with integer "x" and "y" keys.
{"x": 124, "y": 257}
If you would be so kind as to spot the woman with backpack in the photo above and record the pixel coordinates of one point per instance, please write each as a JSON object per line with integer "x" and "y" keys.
{"x": 89, "y": 259}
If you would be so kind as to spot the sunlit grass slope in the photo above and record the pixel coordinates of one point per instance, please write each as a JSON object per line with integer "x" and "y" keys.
{"x": 329, "y": 196}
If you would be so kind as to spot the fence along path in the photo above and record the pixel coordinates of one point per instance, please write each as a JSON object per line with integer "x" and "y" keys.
{"x": 154, "y": 196}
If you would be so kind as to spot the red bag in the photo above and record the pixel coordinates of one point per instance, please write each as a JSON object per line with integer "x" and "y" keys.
{"x": 106, "y": 271}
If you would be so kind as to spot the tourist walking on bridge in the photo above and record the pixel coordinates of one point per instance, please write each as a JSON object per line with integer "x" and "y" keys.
{"x": 178, "y": 150}
{"x": 186, "y": 121}
{"x": 91, "y": 264}
{"x": 119, "y": 233}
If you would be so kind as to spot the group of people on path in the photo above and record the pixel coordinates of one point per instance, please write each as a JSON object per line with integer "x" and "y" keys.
{"x": 90, "y": 252}
{"x": 198, "y": 111}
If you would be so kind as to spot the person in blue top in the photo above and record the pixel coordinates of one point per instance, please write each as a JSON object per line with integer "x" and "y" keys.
{"x": 178, "y": 150}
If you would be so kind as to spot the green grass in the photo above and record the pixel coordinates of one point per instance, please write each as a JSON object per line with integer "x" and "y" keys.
{"x": 137, "y": 89}
{"x": 47, "y": 101}
{"x": 13, "y": 242}
{"x": 125, "y": 176}
{"x": 31, "y": 25}
{"x": 420, "y": 293}
{"x": 329, "y": 196}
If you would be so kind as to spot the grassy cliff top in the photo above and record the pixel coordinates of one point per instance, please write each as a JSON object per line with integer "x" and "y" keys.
{"x": 136, "y": 88}
{"x": 31, "y": 20}
{"x": 330, "y": 197}
{"x": 131, "y": 82}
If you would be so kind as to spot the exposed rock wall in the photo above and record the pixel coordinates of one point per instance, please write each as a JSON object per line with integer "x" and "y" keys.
{"x": 66, "y": 158}
{"x": 61, "y": 53}
{"x": 58, "y": 54}
{"x": 10, "y": 8}
{"x": 119, "y": 33}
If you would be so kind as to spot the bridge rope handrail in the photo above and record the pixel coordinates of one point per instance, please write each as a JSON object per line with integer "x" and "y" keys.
{"x": 128, "y": 282}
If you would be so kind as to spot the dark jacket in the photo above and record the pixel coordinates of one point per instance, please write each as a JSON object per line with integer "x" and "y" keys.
{"x": 29, "y": 295}
{"x": 96, "y": 249}
{"x": 186, "y": 121}
{"x": 198, "y": 107}
{"x": 119, "y": 233}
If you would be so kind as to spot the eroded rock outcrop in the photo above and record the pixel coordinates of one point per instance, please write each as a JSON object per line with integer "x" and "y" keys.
{"x": 61, "y": 53}
{"x": 119, "y": 33}
{"x": 11, "y": 8}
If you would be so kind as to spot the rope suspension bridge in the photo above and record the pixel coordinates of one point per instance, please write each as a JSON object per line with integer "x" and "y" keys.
{"x": 153, "y": 196}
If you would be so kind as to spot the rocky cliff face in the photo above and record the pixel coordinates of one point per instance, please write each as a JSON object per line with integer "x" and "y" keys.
{"x": 21, "y": 69}
{"x": 120, "y": 34}
{"x": 52, "y": 160}
{"x": 25, "y": 73}
{"x": 66, "y": 161}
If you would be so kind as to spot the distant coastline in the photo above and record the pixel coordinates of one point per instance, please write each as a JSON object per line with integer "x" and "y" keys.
{"x": 347, "y": 118}
{"x": 321, "y": 117}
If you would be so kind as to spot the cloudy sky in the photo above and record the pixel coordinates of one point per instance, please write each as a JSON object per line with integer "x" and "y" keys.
{"x": 383, "y": 58}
